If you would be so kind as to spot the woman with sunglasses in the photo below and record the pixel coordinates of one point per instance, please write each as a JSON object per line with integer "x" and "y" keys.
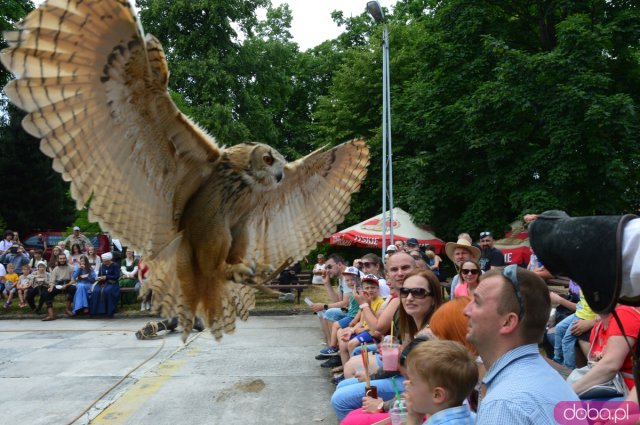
{"x": 469, "y": 277}
{"x": 371, "y": 264}
{"x": 420, "y": 296}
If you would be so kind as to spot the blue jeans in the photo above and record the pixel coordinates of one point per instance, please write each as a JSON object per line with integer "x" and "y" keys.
{"x": 349, "y": 393}
{"x": 564, "y": 349}
{"x": 334, "y": 314}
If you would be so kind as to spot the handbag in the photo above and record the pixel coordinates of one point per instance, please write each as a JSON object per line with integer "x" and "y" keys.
{"x": 615, "y": 387}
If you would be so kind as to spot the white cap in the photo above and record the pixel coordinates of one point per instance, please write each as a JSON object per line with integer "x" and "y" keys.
{"x": 392, "y": 248}
{"x": 352, "y": 270}
{"x": 76, "y": 228}
{"x": 107, "y": 256}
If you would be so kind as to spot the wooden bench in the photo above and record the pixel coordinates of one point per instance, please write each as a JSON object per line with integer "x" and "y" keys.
{"x": 558, "y": 284}
{"x": 304, "y": 282}
{"x": 125, "y": 291}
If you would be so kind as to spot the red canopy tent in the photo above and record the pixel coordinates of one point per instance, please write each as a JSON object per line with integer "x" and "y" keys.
{"x": 369, "y": 232}
{"x": 515, "y": 245}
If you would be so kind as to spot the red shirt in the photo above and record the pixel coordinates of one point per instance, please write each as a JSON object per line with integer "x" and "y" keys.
{"x": 630, "y": 318}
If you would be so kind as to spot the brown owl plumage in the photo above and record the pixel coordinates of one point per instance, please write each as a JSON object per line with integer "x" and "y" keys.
{"x": 96, "y": 92}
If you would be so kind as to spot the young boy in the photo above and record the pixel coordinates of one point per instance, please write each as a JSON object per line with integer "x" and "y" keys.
{"x": 358, "y": 332}
{"x": 10, "y": 281}
{"x": 24, "y": 282}
{"x": 440, "y": 376}
{"x": 351, "y": 276}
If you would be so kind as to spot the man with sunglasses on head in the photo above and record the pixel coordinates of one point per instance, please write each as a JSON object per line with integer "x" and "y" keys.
{"x": 334, "y": 266}
{"x": 507, "y": 319}
{"x": 490, "y": 256}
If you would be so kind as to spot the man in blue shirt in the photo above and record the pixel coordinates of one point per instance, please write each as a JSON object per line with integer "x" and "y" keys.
{"x": 507, "y": 318}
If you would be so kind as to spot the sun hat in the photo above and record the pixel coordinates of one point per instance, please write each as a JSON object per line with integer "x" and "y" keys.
{"x": 450, "y": 247}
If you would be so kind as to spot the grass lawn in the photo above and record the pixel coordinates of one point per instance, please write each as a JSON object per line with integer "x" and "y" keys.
{"x": 264, "y": 303}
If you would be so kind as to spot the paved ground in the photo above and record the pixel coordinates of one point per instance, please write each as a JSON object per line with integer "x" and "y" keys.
{"x": 96, "y": 371}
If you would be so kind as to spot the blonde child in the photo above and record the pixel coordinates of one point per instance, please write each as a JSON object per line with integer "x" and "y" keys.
{"x": 24, "y": 282}
{"x": 440, "y": 376}
{"x": 10, "y": 281}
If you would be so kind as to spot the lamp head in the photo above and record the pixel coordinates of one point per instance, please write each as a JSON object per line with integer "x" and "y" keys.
{"x": 374, "y": 9}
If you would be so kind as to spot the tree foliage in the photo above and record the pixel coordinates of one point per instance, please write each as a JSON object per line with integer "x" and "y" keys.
{"x": 498, "y": 108}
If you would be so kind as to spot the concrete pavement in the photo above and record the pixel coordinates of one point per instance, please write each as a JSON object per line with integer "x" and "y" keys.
{"x": 96, "y": 371}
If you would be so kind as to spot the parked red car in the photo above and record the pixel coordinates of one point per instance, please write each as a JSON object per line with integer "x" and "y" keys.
{"x": 101, "y": 241}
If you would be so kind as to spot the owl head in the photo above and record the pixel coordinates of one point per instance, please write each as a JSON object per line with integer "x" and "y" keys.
{"x": 257, "y": 162}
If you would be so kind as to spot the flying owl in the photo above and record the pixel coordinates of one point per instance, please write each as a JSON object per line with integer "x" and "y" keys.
{"x": 96, "y": 91}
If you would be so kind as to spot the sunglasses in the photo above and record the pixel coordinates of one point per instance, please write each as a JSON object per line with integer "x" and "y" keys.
{"x": 510, "y": 272}
{"x": 368, "y": 264}
{"x": 483, "y": 234}
{"x": 469, "y": 271}
{"x": 417, "y": 293}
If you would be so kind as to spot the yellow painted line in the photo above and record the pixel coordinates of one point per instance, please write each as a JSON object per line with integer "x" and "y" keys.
{"x": 129, "y": 403}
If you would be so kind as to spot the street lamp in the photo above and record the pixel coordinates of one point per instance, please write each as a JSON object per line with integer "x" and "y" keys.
{"x": 374, "y": 9}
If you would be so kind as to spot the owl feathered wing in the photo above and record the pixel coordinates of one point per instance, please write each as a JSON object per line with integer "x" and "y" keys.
{"x": 96, "y": 93}
{"x": 314, "y": 197}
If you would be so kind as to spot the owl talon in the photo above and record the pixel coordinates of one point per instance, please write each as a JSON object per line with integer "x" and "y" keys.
{"x": 241, "y": 273}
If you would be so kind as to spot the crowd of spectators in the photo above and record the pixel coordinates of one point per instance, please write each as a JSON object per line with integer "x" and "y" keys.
{"x": 89, "y": 283}
{"x": 469, "y": 348}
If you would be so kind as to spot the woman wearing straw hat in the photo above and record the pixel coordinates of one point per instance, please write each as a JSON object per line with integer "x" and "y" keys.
{"x": 458, "y": 253}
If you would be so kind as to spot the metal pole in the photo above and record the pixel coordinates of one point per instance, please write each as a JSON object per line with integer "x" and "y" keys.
{"x": 387, "y": 114}
{"x": 384, "y": 150}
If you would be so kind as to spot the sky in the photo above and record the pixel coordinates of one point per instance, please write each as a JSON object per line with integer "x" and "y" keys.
{"x": 312, "y": 22}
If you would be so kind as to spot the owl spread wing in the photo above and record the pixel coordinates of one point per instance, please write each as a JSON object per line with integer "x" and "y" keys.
{"x": 96, "y": 93}
{"x": 313, "y": 198}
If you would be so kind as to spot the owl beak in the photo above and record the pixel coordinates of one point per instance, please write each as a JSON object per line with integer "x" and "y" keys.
{"x": 279, "y": 177}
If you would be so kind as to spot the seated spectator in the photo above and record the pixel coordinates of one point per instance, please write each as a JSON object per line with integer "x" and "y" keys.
{"x": 289, "y": 276}
{"x": 105, "y": 295}
{"x": 468, "y": 279}
{"x": 61, "y": 282}
{"x": 610, "y": 351}
{"x": 440, "y": 377}
{"x": 372, "y": 264}
{"x": 53, "y": 260}
{"x": 420, "y": 296}
{"x": 64, "y": 250}
{"x": 16, "y": 255}
{"x": 433, "y": 260}
{"x": 24, "y": 282}
{"x": 10, "y": 284}
{"x": 358, "y": 332}
{"x": 39, "y": 285}
{"x": 507, "y": 318}
{"x": 7, "y": 242}
{"x": 399, "y": 246}
{"x": 421, "y": 259}
{"x": 569, "y": 330}
{"x": 351, "y": 276}
{"x": 76, "y": 253}
{"x": 490, "y": 256}
{"x": 329, "y": 313}
{"x": 94, "y": 259}
{"x": 459, "y": 252}
{"x": 3, "y": 272}
{"x": 38, "y": 256}
{"x": 85, "y": 277}
{"x": 128, "y": 275}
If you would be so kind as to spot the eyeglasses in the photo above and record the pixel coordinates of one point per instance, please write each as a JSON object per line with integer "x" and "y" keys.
{"x": 483, "y": 234}
{"x": 368, "y": 264}
{"x": 510, "y": 272}
{"x": 417, "y": 293}
{"x": 469, "y": 271}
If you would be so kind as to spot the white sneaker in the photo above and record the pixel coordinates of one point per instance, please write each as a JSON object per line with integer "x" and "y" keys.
{"x": 143, "y": 306}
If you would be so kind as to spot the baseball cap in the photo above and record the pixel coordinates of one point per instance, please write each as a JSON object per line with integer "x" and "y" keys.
{"x": 370, "y": 278}
{"x": 352, "y": 270}
{"x": 392, "y": 248}
{"x": 412, "y": 241}
{"x": 76, "y": 228}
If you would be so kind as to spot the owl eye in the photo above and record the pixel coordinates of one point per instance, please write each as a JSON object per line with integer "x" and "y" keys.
{"x": 268, "y": 159}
